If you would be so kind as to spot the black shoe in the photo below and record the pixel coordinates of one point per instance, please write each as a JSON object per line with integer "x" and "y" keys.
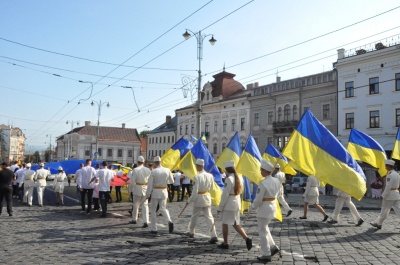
{"x": 249, "y": 243}
{"x": 303, "y": 217}
{"x": 145, "y": 225}
{"x": 274, "y": 250}
{"x": 332, "y": 222}
{"x": 376, "y": 225}
{"x": 213, "y": 240}
{"x": 289, "y": 213}
{"x": 264, "y": 258}
{"x": 171, "y": 227}
{"x": 223, "y": 246}
{"x": 133, "y": 222}
{"x": 360, "y": 222}
{"x": 153, "y": 232}
{"x": 325, "y": 218}
{"x": 10, "y": 214}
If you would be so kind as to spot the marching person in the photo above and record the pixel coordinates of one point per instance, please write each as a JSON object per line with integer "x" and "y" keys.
{"x": 139, "y": 179}
{"x": 105, "y": 176}
{"x": 40, "y": 178}
{"x": 311, "y": 195}
{"x": 160, "y": 177}
{"x": 6, "y": 178}
{"x": 390, "y": 195}
{"x": 342, "y": 198}
{"x": 265, "y": 203}
{"x": 282, "y": 179}
{"x": 20, "y": 181}
{"x": 58, "y": 185}
{"x": 29, "y": 184}
{"x": 78, "y": 178}
{"x": 230, "y": 205}
{"x": 201, "y": 199}
{"x": 86, "y": 188}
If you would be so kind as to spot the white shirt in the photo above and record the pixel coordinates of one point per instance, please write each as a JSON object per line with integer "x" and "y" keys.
{"x": 186, "y": 180}
{"x": 177, "y": 179}
{"x": 105, "y": 177}
{"x": 230, "y": 201}
{"x": 160, "y": 177}
{"x": 312, "y": 186}
{"x": 391, "y": 192}
{"x": 139, "y": 180}
{"x": 87, "y": 173}
{"x": 41, "y": 175}
{"x": 268, "y": 188}
{"x": 203, "y": 184}
{"x": 19, "y": 174}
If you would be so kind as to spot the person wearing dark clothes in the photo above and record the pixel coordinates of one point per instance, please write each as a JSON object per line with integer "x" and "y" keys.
{"x": 6, "y": 178}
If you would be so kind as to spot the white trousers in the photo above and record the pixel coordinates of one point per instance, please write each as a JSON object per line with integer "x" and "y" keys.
{"x": 266, "y": 240}
{"x": 209, "y": 219}
{"x": 40, "y": 190}
{"x": 28, "y": 193}
{"x": 163, "y": 210}
{"x": 339, "y": 205}
{"x": 282, "y": 200}
{"x": 140, "y": 201}
{"x": 385, "y": 210}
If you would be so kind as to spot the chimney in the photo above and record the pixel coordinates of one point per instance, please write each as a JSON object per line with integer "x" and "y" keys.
{"x": 278, "y": 79}
{"x": 123, "y": 125}
{"x": 340, "y": 53}
{"x": 249, "y": 86}
{"x": 87, "y": 123}
{"x": 168, "y": 120}
{"x": 256, "y": 84}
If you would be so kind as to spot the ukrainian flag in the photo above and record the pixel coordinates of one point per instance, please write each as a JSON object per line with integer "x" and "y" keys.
{"x": 250, "y": 161}
{"x": 314, "y": 150}
{"x": 231, "y": 152}
{"x": 396, "y": 147}
{"x": 246, "y": 195}
{"x": 364, "y": 148}
{"x": 274, "y": 156}
{"x": 188, "y": 165}
{"x": 171, "y": 158}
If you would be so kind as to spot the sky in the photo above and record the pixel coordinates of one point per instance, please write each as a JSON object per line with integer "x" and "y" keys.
{"x": 48, "y": 47}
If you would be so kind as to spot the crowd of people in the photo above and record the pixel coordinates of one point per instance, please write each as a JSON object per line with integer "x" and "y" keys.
{"x": 157, "y": 184}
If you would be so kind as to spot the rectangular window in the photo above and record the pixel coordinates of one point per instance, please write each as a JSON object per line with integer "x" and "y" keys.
{"x": 242, "y": 124}
{"x": 223, "y": 146}
{"x": 207, "y": 127}
{"x": 325, "y": 111}
{"x": 99, "y": 151}
{"x": 119, "y": 152}
{"x": 164, "y": 140}
{"x": 269, "y": 140}
{"x": 186, "y": 129}
{"x": 180, "y": 130}
{"x": 374, "y": 119}
{"x": 233, "y": 124}
{"x": 374, "y": 85}
{"x": 215, "y": 126}
{"x": 349, "y": 89}
{"x": 215, "y": 148}
{"x": 270, "y": 117}
{"x": 224, "y": 126}
{"x": 87, "y": 151}
{"x": 109, "y": 152}
{"x": 397, "y": 82}
{"x": 256, "y": 119}
{"x": 169, "y": 139}
{"x": 350, "y": 120}
{"x": 130, "y": 153}
{"x": 397, "y": 117}
{"x": 156, "y": 140}
{"x": 173, "y": 139}
{"x": 192, "y": 129}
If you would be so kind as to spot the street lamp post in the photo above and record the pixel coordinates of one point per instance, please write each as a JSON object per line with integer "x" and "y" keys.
{"x": 69, "y": 140}
{"x": 49, "y": 135}
{"x": 99, "y": 104}
{"x": 200, "y": 38}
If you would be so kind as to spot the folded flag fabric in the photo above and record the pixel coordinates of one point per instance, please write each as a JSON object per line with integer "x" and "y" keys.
{"x": 396, "y": 148}
{"x": 274, "y": 156}
{"x": 246, "y": 195}
{"x": 364, "y": 148}
{"x": 314, "y": 150}
{"x": 177, "y": 151}
{"x": 231, "y": 152}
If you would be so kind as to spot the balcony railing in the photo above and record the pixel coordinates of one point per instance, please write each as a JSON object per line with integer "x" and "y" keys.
{"x": 374, "y": 46}
{"x": 284, "y": 124}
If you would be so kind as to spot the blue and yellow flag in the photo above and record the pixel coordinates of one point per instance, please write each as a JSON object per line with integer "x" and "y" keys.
{"x": 171, "y": 158}
{"x": 250, "y": 161}
{"x": 188, "y": 165}
{"x": 396, "y": 147}
{"x": 364, "y": 148}
{"x": 273, "y": 155}
{"x": 246, "y": 195}
{"x": 231, "y": 152}
{"x": 314, "y": 150}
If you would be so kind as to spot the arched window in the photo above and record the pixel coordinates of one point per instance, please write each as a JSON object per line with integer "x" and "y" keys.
{"x": 208, "y": 95}
{"x": 295, "y": 118}
{"x": 280, "y": 114}
{"x": 286, "y": 112}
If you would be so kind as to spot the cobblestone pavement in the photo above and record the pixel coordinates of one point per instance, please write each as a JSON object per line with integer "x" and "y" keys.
{"x": 61, "y": 235}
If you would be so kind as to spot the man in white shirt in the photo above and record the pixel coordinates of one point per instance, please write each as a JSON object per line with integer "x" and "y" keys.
{"x": 176, "y": 186}
{"x": 85, "y": 186}
{"x": 186, "y": 185}
{"x": 78, "y": 177}
{"x": 40, "y": 177}
{"x": 105, "y": 176}
{"x": 18, "y": 176}
{"x": 29, "y": 184}
{"x": 160, "y": 177}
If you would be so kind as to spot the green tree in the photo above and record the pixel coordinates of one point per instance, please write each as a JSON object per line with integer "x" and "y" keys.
{"x": 143, "y": 134}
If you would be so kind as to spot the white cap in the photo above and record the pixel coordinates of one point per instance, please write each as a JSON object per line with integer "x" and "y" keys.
{"x": 200, "y": 162}
{"x": 229, "y": 164}
{"x": 41, "y": 164}
{"x": 389, "y": 162}
{"x": 267, "y": 165}
{"x": 60, "y": 168}
{"x": 28, "y": 165}
{"x": 140, "y": 159}
{"x": 277, "y": 165}
{"x": 157, "y": 159}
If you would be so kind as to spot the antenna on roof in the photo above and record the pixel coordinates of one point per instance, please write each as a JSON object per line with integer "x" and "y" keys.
{"x": 224, "y": 68}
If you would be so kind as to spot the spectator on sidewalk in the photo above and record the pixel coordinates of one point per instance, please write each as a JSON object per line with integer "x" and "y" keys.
{"x": 6, "y": 178}
{"x": 85, "y": 187}
{"x": 186, "y": 186}
{"x": 105, "y": 176}
{"x": 96, "y": 205}
{"x": 310, "y": 196}
{"x": 20, "y": 181}
{"x": 118, "y": 194}
{"x": 376, "y": 187}
{"x": 176, "y": 187}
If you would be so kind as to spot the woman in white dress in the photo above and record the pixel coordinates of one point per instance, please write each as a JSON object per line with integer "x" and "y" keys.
{"x": 311, "y": 197}
{"x": 230, "y": 205}
{"x": 59, "y": 186}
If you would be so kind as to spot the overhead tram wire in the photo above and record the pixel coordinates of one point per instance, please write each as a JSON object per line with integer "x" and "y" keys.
{"x": 306, "y": 41}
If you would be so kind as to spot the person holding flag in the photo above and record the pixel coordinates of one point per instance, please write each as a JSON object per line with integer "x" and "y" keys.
{"x": 230, "y": 205}
{"x": 265, "y": 204}
{"x": 201, "y": 199}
